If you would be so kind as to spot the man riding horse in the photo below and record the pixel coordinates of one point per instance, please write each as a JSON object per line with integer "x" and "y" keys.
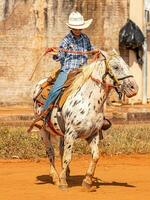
{"x": 75, "y": 41}
{"x": 82, "y": 114}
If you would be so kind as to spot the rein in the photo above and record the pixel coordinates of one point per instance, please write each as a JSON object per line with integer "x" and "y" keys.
{"x": 107, "y": 86}
{"x": 92, "y": 52}
{"x": 77, "y": 52}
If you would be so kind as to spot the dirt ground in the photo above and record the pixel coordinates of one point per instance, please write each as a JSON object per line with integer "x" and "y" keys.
{"x": 118, "y": 178}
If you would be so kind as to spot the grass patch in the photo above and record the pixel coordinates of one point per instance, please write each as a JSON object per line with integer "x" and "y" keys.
{"x": 15, "y": 142}
{"x": 126, "y": 139}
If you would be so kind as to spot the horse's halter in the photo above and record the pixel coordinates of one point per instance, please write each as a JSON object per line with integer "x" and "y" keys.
{"x": 109, "y": 72}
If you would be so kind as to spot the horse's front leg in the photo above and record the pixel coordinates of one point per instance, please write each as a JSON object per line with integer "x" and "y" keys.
{"x": 51, "y": 155}
{"x": 69, "y": 139}
{"x": 94, "y": 144}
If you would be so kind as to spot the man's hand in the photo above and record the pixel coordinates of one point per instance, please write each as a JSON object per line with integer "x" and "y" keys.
{"x": 51, "y": 50}
{"x": 96, "y": 51}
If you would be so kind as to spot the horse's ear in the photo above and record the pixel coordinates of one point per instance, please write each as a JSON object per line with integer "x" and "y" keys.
{"x": 115, "y": 52}
{"x": 104, "y": 53}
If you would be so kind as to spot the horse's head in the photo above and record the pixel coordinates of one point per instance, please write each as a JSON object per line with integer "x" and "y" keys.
{"x": 119, "y": 72}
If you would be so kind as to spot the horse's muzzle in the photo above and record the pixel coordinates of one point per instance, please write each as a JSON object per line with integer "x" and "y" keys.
{"x": 130, "y": 87}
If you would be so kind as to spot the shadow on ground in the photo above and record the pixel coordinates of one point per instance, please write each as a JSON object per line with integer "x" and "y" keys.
{"x": 77, "y": 181}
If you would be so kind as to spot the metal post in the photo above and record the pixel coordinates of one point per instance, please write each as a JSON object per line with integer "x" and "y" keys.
{"x": 144, "y": 69}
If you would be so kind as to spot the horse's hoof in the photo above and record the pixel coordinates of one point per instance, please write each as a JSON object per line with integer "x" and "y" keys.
{"x": 91, "y": 189}
{"x": 63, "y": 187}
{"x": 86, "y": 185}
{"x": 56, "y": 182}
{"x": 55, "y": 179}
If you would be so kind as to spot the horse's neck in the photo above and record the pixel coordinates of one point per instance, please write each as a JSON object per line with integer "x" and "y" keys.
{"x": 99, "y": 70}
{"x": 96, "y": 88}
{"x": 93, "y": 92}
{"x": 91, "y": 95}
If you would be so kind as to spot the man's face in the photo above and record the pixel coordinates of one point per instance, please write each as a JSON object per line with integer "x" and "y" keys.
{"x": 77, "y": 32}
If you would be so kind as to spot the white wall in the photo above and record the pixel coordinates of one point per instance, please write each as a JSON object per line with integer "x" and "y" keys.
{"x": 136, "y": 14}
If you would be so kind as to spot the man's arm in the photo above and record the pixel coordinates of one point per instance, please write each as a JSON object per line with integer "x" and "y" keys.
{"x": 60, "y": 56}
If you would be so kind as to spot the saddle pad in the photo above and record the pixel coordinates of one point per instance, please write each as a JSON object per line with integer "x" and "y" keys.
{"x": 47, "y": 85}
{"x": 66, "y": 91}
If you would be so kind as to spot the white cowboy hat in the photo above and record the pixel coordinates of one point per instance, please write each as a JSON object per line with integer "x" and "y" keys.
{"x": 76, "y": 21}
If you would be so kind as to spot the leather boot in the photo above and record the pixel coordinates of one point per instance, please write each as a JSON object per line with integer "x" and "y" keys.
{"x": 39, "y": 119}
{"x": 106, "y": 124}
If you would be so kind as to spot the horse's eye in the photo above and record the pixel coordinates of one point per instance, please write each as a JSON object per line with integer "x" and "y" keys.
{"x": 116, "y": 67}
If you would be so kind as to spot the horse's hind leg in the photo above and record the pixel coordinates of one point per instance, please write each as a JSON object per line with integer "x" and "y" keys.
{"x": 69, "y": 139}
{"x": 94, "y": 144}
{"x": 61, "y": 151}
{"x": 51, "y": 155}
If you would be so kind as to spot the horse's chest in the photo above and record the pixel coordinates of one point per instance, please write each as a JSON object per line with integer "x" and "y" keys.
{"x": 84, "y": 113}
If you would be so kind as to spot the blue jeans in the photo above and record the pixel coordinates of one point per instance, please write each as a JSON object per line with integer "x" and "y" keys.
{"x": 56, "y": 89}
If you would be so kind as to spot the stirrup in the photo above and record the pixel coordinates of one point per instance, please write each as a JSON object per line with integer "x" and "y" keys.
{"x": 40, "y": 117}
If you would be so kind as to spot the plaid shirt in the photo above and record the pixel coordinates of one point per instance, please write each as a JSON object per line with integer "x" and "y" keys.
{"x": 70, "y": 60}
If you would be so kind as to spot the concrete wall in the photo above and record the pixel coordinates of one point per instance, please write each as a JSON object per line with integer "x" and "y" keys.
{"x": 136, "y": 13}
{"x": 148, "y": 75}
{"x": 28, "y": 26}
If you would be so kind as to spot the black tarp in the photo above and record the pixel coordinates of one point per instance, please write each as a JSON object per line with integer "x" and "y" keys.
{"x": 131, "y": 37}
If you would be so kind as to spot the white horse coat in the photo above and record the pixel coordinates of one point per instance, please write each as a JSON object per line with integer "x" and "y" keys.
{"x": 83, "y": 110}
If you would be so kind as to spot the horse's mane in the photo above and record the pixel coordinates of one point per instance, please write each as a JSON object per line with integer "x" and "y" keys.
{"x": 83, "y": 76}
{"x": 87, "y": 70}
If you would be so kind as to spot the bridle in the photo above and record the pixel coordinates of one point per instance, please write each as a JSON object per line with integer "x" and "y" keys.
{"x": 108, "y": 72}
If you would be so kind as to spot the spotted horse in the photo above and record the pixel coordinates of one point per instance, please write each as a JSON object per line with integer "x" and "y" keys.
{"x": 82, "y": 112}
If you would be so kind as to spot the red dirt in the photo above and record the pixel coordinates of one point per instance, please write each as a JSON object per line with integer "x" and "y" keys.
{"x": 119, "y": 178}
